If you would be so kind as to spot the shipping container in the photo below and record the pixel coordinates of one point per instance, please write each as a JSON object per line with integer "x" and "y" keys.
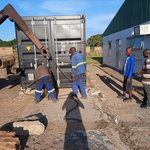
{"x": 58, "y": 34}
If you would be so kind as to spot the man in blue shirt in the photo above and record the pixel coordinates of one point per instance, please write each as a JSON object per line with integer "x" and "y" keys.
{"x": 128, "y": 71}
{"x": 78, "y": 72}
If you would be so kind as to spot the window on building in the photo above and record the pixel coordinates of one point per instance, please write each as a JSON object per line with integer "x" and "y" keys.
{"x": 109, "y": 44}
{"x": 138, "y": 42}
{"x": 129, "y": 42}
{"x": 109, "y": 47}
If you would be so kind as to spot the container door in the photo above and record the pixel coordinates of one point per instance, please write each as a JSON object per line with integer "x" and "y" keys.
{"x": 29, "y": 55}
{"x": 66, "y": 34}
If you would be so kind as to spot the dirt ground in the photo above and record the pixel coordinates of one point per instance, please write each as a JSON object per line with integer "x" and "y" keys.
{"x": 100, "y": 122}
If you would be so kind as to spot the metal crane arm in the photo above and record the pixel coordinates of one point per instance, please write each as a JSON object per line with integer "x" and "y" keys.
{"x": 11, "y": 13}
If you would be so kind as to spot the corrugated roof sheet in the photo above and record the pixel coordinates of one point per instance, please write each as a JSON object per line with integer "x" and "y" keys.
{"x": 131, "y": 13}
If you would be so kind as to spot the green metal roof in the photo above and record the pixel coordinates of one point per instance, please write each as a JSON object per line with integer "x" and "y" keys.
{"x": 131, "y": 13}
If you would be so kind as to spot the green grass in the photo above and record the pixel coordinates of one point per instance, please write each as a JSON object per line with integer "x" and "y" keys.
{"x": 94, "y": 59}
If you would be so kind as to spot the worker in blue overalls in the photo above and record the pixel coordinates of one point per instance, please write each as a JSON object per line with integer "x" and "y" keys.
{"x": 78, "y": 72}
{"x": 43, "y": 79}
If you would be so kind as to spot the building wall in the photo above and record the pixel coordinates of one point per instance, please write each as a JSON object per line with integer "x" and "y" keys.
{"x": 6, "y": 51}
{"x": 116, "y": 60}
{"x": 109, "y": 55}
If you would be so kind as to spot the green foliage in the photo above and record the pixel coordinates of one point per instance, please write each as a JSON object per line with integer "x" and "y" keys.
{"x": 92, "y": 59}
{"x": 95, "y": 40}
{"x": 11, "y": 43}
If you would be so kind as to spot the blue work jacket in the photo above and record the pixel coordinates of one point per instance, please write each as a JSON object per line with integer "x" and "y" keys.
{"x": 78, "y": 64}
{"x": 128, "y": 69}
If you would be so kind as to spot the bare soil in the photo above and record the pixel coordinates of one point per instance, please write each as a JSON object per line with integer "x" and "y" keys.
{"x": 95, "y": 123}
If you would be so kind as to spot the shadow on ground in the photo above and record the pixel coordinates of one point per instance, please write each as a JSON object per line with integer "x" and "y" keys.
{"x": 75, "y": 134}
{"x": 98, "y": 59}
{"x": 24, "y": 138}
{"x": 115, "y": 86}
{"x": 12, "y": 81}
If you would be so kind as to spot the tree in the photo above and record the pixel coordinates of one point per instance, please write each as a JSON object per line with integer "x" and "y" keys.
{"x": 11, "y": 43}
{"x": 95, "y": 40}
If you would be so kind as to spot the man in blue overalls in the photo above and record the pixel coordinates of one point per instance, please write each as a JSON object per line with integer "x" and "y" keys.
{"x": 78, "y": 72}
{"x": 43, "y": 79}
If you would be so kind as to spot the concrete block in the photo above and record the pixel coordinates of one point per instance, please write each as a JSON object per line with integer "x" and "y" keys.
{"x": 28, "y": 127}
{"x": 102, "y": 95}
{"x": 103, "y": 99}
{"x": 95, "y": 93}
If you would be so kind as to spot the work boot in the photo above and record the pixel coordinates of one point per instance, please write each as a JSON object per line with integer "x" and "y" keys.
{"x": 36, "y": 101}
{"x": 84, "y": 97}
{"x": 143, "y": 106}
{"x": 54, "y": 100}
{"x": 121, "y": 96}
{"x": 129, "y": 99}
{"x": 73, "y": 96}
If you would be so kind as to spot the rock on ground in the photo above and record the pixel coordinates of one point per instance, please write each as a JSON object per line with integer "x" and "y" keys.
{"x": 28, "y": 128}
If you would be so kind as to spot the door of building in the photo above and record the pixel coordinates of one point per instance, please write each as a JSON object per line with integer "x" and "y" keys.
{"x": 118, "y": 59}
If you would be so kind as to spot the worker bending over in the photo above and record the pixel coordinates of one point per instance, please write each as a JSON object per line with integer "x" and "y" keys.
{"x": 78, "y": 72}
{"x": 43, "y": 79}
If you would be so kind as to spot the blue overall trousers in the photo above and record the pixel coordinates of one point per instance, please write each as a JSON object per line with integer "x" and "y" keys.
{"x": 45, "y": 82}
{"x": 78, "y": 83}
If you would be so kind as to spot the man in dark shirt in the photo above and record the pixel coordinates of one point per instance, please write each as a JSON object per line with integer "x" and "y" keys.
{"x": 145, "y": 77}
{"x": 44, "y": 80}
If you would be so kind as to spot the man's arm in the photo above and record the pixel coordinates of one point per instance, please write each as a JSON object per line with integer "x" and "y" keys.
{"x": 138, "y": 72}
{"x": 131, "y": 69}
{"x": 73, "y": 63}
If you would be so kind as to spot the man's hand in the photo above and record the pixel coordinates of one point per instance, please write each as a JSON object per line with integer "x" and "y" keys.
{"x": 138, "y": 72}
{"x": 73, "y": 78}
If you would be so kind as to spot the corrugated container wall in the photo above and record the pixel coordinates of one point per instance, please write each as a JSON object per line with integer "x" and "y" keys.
{"x": 58, "y": 34}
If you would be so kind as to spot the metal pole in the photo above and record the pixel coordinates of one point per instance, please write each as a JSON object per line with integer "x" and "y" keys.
{"x": 35, "y": 57}
{"x": 55, "y": 38}
{"x": 46, "y": 40}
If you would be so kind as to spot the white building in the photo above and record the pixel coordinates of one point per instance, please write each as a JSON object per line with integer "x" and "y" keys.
{"x": 129, "y": 27}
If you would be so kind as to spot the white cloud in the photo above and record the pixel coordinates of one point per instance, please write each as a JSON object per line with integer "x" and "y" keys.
{"x": 99, "y": 23}
{"x": 99, "y": 13}
{"x": 64, "y": 7}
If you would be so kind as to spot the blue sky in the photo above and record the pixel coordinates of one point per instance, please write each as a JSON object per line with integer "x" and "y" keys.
{"x": 98, "y": 13}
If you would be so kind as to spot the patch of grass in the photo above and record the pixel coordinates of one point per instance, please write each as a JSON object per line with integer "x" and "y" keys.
{"x": 94, "y": 59}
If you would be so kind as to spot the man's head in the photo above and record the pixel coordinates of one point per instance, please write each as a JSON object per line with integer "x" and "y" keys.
{"x": 129, "y": 51}
{"x": 146, "y": 53}
{"x": 72, "y": 50}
